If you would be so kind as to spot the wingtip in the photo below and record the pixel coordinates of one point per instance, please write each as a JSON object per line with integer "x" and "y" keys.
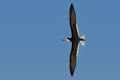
{"x": 72, "y": 64}
{"x": 71, "y": 73}
{"x": 71, "y": 5}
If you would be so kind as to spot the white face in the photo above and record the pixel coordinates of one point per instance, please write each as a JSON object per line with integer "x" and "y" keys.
{"x": 65, "y": 39}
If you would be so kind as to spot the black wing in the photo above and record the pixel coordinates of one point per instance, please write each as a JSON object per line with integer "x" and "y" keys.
{"x": 73, "y": 26}
{"x": 73, "y": 57}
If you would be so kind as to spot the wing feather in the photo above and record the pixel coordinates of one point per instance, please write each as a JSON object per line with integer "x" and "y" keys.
{"x": 73, "y": 57}
{"x": 73, "y": 24}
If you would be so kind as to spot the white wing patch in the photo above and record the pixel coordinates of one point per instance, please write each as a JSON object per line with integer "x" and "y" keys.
{"x": 77, "y": 29}
{"x": 77, "y": 50}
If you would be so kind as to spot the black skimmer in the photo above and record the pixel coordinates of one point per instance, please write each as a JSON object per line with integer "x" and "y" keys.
{"x": 75, "y": 39}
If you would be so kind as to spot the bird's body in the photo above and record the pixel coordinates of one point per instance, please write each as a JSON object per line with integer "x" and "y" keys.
{"x": 75, "y": 39}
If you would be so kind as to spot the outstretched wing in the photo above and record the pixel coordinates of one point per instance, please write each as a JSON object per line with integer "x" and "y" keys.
{"x": 73, "y": 25}
{"x": 73, "y": 57}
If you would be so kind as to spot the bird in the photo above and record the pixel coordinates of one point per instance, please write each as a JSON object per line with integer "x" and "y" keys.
{"x": 75, "y": 39}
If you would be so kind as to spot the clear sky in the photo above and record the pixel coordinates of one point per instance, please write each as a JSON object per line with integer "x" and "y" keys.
{"x": 31, "y": 33}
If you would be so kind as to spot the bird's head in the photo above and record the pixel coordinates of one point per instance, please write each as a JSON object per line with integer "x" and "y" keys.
{"x": 66, "y": 39}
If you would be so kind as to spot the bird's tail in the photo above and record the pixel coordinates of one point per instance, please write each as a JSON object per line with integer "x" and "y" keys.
{"x": 82, "y": 42}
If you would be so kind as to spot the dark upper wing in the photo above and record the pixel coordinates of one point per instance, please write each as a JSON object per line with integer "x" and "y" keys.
{"x": 73, "y": 22}
{"x": 73, "y": 57}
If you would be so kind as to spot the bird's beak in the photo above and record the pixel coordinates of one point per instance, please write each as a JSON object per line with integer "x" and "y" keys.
{"x": 63, "y": 39}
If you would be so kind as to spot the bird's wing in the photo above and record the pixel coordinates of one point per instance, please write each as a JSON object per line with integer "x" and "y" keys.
{"x": 73, "y": 24}
{"x": 73, "y": 57}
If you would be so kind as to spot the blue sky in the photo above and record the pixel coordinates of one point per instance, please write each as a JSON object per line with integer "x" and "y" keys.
{"x": 31, "y": 46}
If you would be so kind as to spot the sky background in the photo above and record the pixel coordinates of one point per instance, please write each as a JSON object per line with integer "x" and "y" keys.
{"x": 31, "y": 33}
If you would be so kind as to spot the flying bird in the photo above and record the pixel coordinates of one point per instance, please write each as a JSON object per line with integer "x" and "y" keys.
{"x": 75, "y": 39}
